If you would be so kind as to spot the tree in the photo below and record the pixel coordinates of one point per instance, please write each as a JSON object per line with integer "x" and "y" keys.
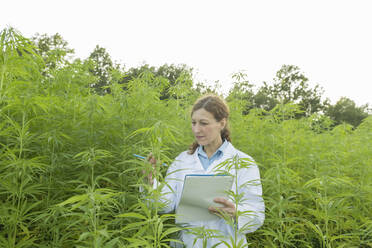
{"x": 53, "y": 49}
{"x": 178, "y": 77}
{"x": 290, "y": 85}
{"x": 345, "y": 110}
{"x": 101, "y": 67}
{"x": 264, "y": 98}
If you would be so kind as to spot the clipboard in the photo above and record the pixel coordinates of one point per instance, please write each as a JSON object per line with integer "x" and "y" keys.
{"x": 198, "y": 193}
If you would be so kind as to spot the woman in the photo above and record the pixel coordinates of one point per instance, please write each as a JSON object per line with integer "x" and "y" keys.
{"x": 213, "y": 146}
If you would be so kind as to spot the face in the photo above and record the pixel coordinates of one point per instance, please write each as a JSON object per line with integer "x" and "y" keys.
{"x": 206, "y": 129}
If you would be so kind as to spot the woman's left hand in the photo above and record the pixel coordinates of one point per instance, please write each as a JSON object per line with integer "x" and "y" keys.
{"x": 228, "y": 207}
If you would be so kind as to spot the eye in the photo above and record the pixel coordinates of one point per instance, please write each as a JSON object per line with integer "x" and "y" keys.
{"x": 203, "y": 123}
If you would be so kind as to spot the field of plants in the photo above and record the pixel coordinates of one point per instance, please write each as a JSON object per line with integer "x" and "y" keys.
{"x": 68, "y": 177}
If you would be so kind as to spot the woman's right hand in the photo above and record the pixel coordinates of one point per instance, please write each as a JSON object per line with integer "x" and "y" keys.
{"x": 150, "y": 177}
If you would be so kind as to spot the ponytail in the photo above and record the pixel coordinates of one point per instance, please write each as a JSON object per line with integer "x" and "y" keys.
{"x": 225, "y": 134}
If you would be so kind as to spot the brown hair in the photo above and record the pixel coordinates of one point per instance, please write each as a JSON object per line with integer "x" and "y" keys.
{"x": 219, "y": 109}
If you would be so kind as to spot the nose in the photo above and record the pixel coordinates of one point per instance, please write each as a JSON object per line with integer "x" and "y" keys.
{"x": 195, "y": 128}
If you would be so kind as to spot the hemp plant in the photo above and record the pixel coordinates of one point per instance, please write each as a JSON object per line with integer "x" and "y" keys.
{"x": 152, "y": 228}
{"x": 88, "y": 211}
{"x": 232, "y": 167}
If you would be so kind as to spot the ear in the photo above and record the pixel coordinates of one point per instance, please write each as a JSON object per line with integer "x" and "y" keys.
{"x": 223, "y": 123}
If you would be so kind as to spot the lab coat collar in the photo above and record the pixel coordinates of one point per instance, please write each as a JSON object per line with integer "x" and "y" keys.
{"x": 229, "y": 152}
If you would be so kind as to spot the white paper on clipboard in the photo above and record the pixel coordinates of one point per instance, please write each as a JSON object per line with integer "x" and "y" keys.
{"x": 198, "y": 194}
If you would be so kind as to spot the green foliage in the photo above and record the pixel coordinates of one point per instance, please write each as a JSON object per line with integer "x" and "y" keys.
{"x": 311, "y": 182}
{"x": 68, "y": 177}
{"x": 289, "y": 86}
{"x": 53, "y": 49}
{"x": 19, "y": 64}
{"x": 242, "y": 91}
{"x": 345, "y": 110}
{"x": 101, "y": 67}
{"x": 177, "y": 79}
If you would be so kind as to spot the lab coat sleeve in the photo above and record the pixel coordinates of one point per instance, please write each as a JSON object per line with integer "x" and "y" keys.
{"x": 169, "y": 189}
{"x": 251, "y": 206}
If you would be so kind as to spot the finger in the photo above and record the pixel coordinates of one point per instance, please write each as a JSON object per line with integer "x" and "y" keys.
{"x": 149, "y": 157}
{"x": 212, "y": 209}
{"x": 219, "y": 200}
{"x": 221, "y": 212}
{"x": 220, "y": 209}
{"x": 215, "y": 211}
{"x": 226, "y": 210}
{"x": 223, "y": 201}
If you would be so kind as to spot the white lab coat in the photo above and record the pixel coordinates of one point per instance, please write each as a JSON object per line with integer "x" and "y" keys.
{"x": 190, "y": 164}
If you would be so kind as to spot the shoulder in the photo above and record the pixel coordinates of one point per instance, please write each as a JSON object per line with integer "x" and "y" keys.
{"x": 183, "y": 156}
{"x": 232, "y": 151}
{"x": 247, "y": 167}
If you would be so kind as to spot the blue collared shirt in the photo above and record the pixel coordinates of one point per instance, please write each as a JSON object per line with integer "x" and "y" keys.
{"x": 205, "y": 161}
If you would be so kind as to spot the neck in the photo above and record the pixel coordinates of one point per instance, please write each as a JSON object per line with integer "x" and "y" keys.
{"x": 212, "y": 148}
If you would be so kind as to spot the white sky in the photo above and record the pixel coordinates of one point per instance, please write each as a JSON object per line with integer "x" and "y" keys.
{"x": 330, "y": 40}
